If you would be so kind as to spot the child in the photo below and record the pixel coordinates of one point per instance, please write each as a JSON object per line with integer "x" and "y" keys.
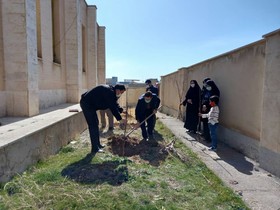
{"x": 213, "y": 117}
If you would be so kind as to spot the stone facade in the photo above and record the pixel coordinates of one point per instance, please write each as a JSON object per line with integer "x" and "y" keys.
{"x": 248, "y": 79}
{"x": 50, "y": 52}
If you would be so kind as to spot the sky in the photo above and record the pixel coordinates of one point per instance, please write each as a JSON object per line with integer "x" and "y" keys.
{"x": 152, "y": 38}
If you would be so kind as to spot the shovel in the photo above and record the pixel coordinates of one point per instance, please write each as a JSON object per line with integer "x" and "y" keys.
{"x": 140, "y": 123}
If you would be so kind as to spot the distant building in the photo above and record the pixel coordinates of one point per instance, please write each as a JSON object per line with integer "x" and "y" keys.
{"x": 131, "y": 80}
{"x": 112, "y": 81}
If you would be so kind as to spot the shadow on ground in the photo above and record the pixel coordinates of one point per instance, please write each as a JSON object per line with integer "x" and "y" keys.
{"x": 237, "y": 160}
{"x": 83, "y": 171}
{"x": 227, "y": 154}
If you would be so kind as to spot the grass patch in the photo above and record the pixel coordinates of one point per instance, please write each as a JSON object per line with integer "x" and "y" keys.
{"x": 74, "y": 180}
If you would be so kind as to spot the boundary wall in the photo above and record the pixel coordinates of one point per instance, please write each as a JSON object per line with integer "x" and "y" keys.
{"x": 248, "y": 78}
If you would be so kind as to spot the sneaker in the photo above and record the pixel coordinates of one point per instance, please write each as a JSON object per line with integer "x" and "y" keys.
{"x": 212, "y": 149}
{"x": 101, "y": 146}
{"x": 199, "y": 133}
{"x": 97, "y": 151}
{"x": 100, "y": 151}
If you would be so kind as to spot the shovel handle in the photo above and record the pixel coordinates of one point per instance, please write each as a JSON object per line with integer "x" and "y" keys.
{"x": 140, "y": 123}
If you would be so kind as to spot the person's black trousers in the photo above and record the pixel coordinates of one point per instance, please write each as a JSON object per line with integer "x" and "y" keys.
{"x": 206, "y": 131}
{"x": 150, "y": 127}
{"x": 92, "y": 121}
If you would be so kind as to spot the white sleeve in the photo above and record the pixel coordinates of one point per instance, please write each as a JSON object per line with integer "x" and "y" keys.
{"x": 204, "y": 116}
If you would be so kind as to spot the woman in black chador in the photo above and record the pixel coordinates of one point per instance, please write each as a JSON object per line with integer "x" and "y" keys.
{"x": 192, "y": 100}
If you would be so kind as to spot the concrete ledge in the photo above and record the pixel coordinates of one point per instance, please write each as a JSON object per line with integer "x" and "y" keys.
{"x": 28, "y": 140}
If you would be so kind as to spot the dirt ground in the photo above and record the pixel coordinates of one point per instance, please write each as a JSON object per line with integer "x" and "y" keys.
{"x": 133, "y": 147}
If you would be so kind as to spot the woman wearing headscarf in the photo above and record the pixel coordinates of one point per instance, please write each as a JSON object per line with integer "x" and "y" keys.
{"x": 212, "y": 87}
{"x": 192, "y": 100}
{"x": 203, "y": 96}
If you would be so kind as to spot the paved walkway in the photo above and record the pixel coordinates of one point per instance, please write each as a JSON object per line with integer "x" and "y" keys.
{"x": 258, "y": 188}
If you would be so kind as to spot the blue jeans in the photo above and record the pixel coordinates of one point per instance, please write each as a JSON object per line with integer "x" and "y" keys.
{"x": 213, "y": 134}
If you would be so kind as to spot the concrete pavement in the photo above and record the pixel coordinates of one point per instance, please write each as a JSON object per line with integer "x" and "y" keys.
{"x": 258, "y": 188}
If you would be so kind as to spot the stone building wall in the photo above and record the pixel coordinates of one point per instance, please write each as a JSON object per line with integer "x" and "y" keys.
{"x": 2, "y": 82}
{"x": 48, "y": 54}
{"x": 19, "y": 57}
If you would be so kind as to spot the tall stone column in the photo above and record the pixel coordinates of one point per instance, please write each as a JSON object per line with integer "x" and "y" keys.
{"x": 2, "y": 81}
{"x": 20, "y": 57}
{"x": 73, "y": 50}
{"x": 101, "y": 56}
{"x": 92, "y": 47}
{"x": 2, "y": 86}
{"x": 270, "y": 128}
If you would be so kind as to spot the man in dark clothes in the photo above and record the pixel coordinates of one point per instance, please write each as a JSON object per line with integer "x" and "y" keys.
{"x": 100, "y": 98}
{"x": 150, "y": 87}
{"x": 147, "y": 104}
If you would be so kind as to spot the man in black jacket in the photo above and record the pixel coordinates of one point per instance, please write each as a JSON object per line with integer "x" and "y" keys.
{"x": 147, "y": 104}
{"x": 150, "y": 87}
{"x": 100, "y": 98}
